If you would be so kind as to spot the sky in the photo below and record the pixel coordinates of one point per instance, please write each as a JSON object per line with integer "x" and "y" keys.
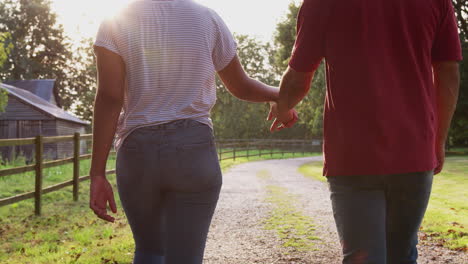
{"x": 257, "y": 18}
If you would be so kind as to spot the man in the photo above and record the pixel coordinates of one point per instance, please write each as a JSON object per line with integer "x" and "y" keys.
{"x": 392, "y": 86}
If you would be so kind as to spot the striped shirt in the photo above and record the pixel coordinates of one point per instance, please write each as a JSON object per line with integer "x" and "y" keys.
{"x": 172, "y": 50}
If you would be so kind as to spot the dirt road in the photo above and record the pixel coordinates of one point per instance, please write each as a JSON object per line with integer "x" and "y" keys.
{"x": 238, "y": 234}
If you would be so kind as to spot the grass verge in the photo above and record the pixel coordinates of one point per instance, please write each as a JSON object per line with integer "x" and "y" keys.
{"x": 67, "y": 231}
{"x": 446, "y": 219}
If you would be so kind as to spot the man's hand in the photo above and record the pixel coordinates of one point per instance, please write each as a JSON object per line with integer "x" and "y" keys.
{"x": 283, "y": 119}
{"x": 440, "y": 155}
{"x": 102, "y": 194}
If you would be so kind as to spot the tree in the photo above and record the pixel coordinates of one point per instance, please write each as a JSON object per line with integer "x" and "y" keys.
{"x": 81, "y": 82}
{"x": 4, "y": 52}
{"x": 311, "y": 108}
{"x": 5, "y": 47}
{"x": 461, "y": 9}
{"x": 232, "y": 117}
{"x": 41, "y": 49}
{"x": 284, "y": 39}
{"x": 459, "y": 130}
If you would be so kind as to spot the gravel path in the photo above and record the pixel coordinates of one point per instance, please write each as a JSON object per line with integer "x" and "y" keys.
{"x": 237, "y": 234}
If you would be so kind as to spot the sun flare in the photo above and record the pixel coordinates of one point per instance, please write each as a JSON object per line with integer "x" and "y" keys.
{"x": 81, "y": 18}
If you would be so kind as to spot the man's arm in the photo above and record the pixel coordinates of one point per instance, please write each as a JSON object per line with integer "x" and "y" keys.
{"x": 447, "y": 83}
{"x": 293, "y": 88}
{"x": 107, "y": 107}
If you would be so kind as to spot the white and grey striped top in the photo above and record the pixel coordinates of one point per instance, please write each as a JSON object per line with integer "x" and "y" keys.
{"x": 172, "y": 50}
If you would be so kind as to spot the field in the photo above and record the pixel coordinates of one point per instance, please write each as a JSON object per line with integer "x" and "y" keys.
{"x": 67, "y": 231}
{"x": 446, "y": 219}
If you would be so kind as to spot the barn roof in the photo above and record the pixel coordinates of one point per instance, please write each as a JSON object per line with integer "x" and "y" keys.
{"x": 42, "y": 88}
{"x": 41, "y": 104}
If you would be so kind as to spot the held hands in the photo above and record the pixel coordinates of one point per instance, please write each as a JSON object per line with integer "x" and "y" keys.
{"x": 101, "y": 195}
{"x": 283, "y": 119}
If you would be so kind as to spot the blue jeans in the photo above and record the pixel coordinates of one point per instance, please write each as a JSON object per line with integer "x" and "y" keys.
{"x": 378, "y": 217}
{"x": 169, "y": 180}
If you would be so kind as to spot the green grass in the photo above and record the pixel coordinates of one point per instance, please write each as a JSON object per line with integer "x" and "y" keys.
{"x": 447, "y": 215}
{"x": 21, "y": 183}
{"x": 67, "y": 231}
{"x": 446, "y": 219}
{"x": 457, "y": 152}
{"x": 293, "y": 228}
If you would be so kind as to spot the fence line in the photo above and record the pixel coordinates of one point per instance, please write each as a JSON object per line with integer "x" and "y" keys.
{"x": 227, "y": 149}
{"x": 40, "y": 165}
{"x": 244, "y": 148}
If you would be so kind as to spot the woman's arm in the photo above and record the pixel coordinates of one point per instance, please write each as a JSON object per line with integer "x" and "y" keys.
{"x": 107, "y": 107}
{"x": 243, "y": 87}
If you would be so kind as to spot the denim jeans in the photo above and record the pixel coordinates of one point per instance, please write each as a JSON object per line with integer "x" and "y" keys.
{"x": 378, "y": 217}
{"x": 169, "y": 180}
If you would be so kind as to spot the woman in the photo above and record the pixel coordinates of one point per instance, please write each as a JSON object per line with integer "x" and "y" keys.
{"x": 156, "y": 63}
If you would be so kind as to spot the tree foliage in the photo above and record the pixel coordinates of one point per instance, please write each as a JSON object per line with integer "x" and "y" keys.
{"x": 459, "y": 129}
{"x": 461, "y": 9}
{"x": 311, "y": 108}
{"x": 232, "y": 117}
{"x": 81, "y": 82}
{"x": 41, "y": 50}
{"x": 5, "y": 48}
{"x": 266, "y": 62}
{"x": 284, "y": 39}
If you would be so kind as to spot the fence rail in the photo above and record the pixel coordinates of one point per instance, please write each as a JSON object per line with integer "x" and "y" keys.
{"x": 234, "y": 149}
{"x": 227, "y": 149}
{"x": 40, "y": 165}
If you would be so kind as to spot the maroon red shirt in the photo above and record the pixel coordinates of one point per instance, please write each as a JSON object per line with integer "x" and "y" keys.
{"x": 380, "y": 114}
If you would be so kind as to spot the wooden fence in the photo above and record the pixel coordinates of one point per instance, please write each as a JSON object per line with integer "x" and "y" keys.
{"x": 227, "y": 149}
{"x": 237, "y": 148}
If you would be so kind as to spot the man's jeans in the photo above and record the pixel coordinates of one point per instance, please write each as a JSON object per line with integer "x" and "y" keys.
{"x": 378, "y": 217}
{"x": 169, "y": 181}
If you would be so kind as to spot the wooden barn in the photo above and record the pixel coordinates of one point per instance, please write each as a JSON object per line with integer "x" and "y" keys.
{"x": 33, "y": 110}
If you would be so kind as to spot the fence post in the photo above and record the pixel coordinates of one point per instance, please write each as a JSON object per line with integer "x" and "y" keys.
{"x": 248, "y": 148}
{"x": 76, "y": 165}
{"x": 282, "y": 149}
{"x": 39, "y": 167}
{"x": 234, "y": 153}
{"x": 271, "y": 149}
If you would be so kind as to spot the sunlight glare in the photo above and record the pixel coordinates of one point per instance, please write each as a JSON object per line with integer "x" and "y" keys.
{"x": 256, "y": 18}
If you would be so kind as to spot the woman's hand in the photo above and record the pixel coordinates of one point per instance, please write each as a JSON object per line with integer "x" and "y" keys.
{"x": 102, "y": 194}
{"x": 283, "y": 119}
